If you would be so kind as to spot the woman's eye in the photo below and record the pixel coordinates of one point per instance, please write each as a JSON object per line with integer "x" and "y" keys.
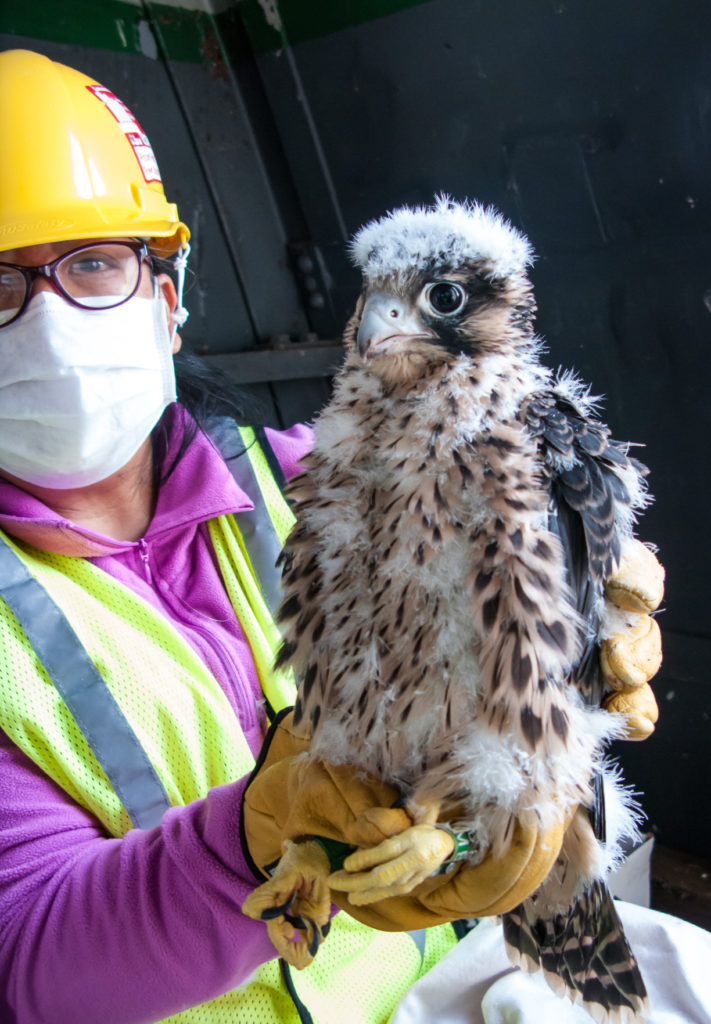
{"x": 445, "y": 297}
{"x": 89, "y": 266}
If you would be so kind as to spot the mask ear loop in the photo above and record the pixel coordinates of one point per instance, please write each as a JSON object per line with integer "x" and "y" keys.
{"x": 180, "y": 314}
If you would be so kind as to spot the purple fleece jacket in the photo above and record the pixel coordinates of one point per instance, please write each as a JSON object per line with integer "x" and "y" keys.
{"x": 121, "y": 931}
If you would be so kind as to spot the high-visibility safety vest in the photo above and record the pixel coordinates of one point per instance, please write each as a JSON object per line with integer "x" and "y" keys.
{"x": 105, "y": 696}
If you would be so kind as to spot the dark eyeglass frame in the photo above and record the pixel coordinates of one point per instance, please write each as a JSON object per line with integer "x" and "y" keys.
{"x": 49, "y": 272}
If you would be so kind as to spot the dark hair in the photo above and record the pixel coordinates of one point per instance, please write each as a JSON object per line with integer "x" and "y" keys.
{"x": 204, "y": 393}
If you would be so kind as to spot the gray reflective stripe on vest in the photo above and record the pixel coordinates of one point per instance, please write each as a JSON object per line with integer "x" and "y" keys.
{"x": 106, "y": 730}
{"x": 84, "y": 691}
{"x": 419, "y": 937}
{"x": 255, "y": 525}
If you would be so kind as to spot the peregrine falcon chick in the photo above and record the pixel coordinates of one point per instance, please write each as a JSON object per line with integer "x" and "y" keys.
{"x": 444, "y": 582}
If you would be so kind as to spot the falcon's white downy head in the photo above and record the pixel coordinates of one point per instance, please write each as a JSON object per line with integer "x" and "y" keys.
{"x": 440, "y": 282}
{"x": 442, "y": 236}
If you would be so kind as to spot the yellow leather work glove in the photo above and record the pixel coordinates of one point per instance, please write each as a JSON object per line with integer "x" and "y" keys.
{"x": 632, "y": 654}
{"x": 295, "y": 798}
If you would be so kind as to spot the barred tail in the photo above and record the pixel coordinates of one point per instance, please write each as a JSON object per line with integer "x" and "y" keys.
{"x": 583, "y": 954}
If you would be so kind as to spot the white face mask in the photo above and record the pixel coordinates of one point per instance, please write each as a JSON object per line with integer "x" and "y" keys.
{"x": 81, "y": 390}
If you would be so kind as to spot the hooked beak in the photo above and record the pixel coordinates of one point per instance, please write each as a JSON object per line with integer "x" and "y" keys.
{"x": 387, "y": 320}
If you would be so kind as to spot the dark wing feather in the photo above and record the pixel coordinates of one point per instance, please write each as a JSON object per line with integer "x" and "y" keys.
{"x": 582, "y": 464}
{"x": 586, "y": 948}
{"x": 582, "y": 467}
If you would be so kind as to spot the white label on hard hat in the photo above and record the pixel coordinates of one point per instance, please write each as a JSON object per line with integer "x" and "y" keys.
{"x": 135, "y": 135}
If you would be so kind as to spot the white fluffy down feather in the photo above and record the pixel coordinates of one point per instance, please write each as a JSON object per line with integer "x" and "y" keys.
{"x": 462, "y": 232}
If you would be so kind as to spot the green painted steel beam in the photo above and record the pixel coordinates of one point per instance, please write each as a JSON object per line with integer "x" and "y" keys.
{"x": 187, "y": 35}
{"x": 112, "y": 25}
{"x": 296, "y": 21}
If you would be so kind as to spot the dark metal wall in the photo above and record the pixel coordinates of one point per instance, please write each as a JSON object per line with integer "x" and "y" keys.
{"x": 589, "y": 125}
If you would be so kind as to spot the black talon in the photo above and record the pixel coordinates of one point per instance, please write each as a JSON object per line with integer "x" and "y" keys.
{"x": 296, "y": 922}
{"x": 269, "y": 913}
{"x": 326, "y": 929}
{"x": 315, "y": 940}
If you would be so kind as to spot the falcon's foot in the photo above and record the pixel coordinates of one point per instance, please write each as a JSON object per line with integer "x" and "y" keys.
{"x": 295, "y": 903}
{"x": 395, "y": 866}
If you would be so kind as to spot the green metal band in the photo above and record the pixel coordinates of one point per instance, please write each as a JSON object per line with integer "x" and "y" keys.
{"x": 462, "y": 846}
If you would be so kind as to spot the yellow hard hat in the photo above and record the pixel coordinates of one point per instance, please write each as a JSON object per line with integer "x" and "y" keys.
{"x": 75, "y": 162}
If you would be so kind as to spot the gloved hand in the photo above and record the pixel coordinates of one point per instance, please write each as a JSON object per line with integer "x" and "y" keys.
{"x": 632, "y": 654}
{"x": 638, "y": 583}
{"x": 296, "y": 798}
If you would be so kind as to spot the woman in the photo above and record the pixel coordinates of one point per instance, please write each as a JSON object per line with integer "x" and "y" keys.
{"x": 136, "y": 681}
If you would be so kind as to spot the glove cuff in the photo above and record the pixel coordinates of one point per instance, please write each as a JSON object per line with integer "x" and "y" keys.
{"x": 277, "y": 744}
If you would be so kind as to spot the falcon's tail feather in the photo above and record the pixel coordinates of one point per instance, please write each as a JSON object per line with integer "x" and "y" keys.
{"x": 583, "y": 954}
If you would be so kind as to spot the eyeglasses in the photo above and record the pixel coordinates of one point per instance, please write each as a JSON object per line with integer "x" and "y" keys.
{"x": 98, "y": 276}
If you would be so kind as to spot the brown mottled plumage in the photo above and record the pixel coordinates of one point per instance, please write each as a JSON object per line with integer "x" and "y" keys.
{"x": 443, "y": 586}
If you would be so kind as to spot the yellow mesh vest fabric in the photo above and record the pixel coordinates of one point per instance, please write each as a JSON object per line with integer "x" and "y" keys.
{"x": 258, "y": 625}
{"x": 177, "y": 709}
{"x": 186, "y": 726}
{"x": 358, "y": 977}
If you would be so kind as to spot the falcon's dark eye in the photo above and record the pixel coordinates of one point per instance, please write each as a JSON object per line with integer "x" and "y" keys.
{"x": 445, "y": 297}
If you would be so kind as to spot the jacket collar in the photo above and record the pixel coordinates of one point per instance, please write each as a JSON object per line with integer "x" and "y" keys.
{"x": 199, "y": 488}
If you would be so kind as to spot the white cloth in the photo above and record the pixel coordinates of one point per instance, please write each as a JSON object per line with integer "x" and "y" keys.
{"x": 475, "y": 983}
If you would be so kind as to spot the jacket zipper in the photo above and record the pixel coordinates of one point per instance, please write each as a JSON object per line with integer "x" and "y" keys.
{"x": 143, "y": 551}
{"x": 230, "y": 666}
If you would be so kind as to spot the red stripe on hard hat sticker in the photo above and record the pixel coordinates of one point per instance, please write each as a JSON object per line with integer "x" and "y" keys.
{"x": 136, "y": 137}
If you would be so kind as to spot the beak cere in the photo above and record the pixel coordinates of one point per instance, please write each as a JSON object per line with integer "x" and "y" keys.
{"x": 388, "y": 320}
